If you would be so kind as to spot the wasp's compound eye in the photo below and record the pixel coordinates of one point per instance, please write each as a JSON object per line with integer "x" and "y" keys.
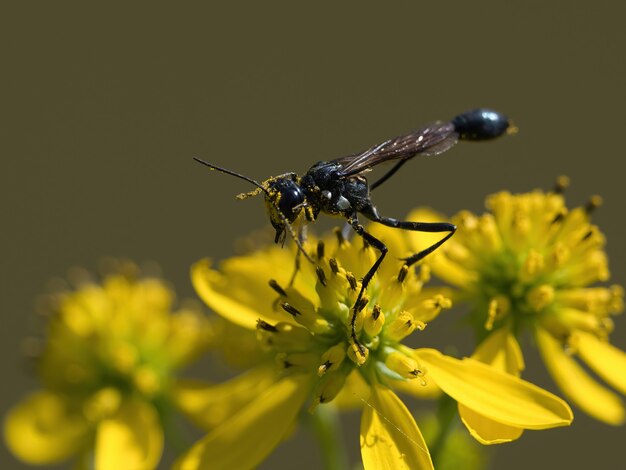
{"x": 288, "y": 197}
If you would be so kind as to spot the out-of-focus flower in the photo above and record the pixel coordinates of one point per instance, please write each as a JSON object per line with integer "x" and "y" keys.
{"x": 531, "y": 264}
{"x": 306, "y": 326}
{"x": 107, "y": 367}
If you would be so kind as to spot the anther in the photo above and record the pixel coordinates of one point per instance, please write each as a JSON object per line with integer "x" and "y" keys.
{"x": 593, "y": 203}
{"x": 321, "y": 275}
{"x": 559, "y": 217}
{"x": 339, "y": 235}
{"x": 290, "y": 309}
{"x": 323, "y": 368}
{"x": 376, "y": 312}
{"x": 274, "y": 285}
{"x": 320, "y": 249}
{"x": 263, "y": 325}
{"x": 362, "y": 303}
{"x": 351, "y": 280}
{"x": 561, "y": 183}
{"x": 334, "y": 267}
{"x": 402, "y": 274}
{"x": 587, "y": 235}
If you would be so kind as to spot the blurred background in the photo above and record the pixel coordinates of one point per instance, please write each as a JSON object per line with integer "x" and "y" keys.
{"x": 103, "y": 107}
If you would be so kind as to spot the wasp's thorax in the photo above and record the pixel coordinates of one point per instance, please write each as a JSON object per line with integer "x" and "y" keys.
{"x": 284, "y": 201}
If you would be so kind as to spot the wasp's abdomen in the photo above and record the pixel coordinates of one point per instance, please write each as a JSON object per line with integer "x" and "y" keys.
{"x": 481, "y": 124}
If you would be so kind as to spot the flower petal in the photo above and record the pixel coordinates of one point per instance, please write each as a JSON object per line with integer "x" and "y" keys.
{"x": 42, "y": 430}
{"x": 390, "y": 438}
{"x": 576, "y": 384}
{"x": 494, "y": 394}
{"x": 132, "y": 438}
{"x": 240, "y": 295}
{"x": 208, "y": 405}
{"x": 250, "y": 435}
{"x": 606, "y": 360}
{"x": 485, "y": 430}
{"x": 501, "y": 350}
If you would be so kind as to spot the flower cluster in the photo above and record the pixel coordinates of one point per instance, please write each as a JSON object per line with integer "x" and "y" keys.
{"x": 530, "y": 263}
{"x": 107, "y": 369}
{"x": 307, "y": 327}
{"x": 114, "y": 349}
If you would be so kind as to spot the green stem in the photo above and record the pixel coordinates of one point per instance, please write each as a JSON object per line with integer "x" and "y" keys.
{"x": 325, "y": 424}
{"x": 446, "y": 414}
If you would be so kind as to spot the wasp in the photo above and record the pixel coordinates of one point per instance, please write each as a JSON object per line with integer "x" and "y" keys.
{"x": 340, "y": 188}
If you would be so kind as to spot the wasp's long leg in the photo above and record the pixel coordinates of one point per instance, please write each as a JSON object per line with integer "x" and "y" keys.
{"x": 380, "y": 246}
{"x": 296, "y": 268}
{"x": 388, "y": 175}
{"x": 433, "y": 227}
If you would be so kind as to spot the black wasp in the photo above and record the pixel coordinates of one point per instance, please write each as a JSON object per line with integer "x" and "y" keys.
{"x": 339, "y": 187}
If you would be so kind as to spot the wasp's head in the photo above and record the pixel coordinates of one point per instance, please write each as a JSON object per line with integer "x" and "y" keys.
{"x": 284, "y": 200}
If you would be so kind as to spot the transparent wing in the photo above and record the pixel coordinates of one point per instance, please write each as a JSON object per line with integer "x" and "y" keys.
{"x": 431, "y": 140}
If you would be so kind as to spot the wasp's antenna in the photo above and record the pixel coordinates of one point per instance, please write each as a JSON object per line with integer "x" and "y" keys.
{"x": 232, "y": 173}
{"x": 270, "y": 199}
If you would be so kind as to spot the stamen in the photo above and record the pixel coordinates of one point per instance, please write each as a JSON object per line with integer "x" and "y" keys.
{"x": 274, "y": 285}
{"x": 323, "y": 368}
{"x": 362, "y": 303}
{"x": 290, "y": 309}
{"x": 263, "y": 325}
{"x": 320, "y": 249}
{"x": 339, "y": 235}
{"x": 376, "y": 312}
{"x": 559, "y": 217}
{"x": 373, "y": 324}
{"x": 334, "y": 267}
{"x": 402, "y": 274}
{"x": 562, "y": 183}
{"x": 321, "y": 275}
{"x": 593, "y": 203}
{"x": 351, "y": 280}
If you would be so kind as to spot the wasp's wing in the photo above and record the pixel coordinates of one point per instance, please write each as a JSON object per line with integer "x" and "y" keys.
{"x": 430, "y": 140}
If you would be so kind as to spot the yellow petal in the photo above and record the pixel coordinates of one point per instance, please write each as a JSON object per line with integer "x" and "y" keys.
{"x": 485, "y": 430}
{"x": 576, "y": 384}
{"x": 132, "y": 438}
{"x": 496, "y": 395}
{"x": 501, "y": 350}
{"x": 250, "y": 435}
{"x": 209, "y": 405}
{"x": 242, "y": 297}
{"x": 354, "y": 392}
{"x": 42, "y": 430}
{"x": 390, "y": 438}
{"x": 606, "y": 360}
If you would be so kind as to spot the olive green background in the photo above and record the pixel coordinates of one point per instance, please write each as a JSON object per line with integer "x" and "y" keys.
{"x": 103, "y": 106}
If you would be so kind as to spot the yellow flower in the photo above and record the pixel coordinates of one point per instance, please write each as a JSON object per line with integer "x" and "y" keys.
{"x": 306, "y": 326}
{"x": 529, "y": 264}
{"x": 107, "y": 370}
